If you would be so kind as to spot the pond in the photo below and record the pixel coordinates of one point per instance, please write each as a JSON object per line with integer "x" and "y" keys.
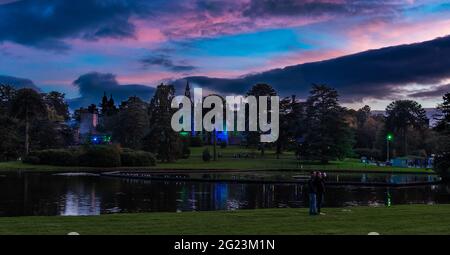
{"x": 91, "y": 194}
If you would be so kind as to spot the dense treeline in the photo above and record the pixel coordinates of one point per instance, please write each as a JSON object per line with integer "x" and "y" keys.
{"x": 442, "y": 159}
{"x": 32, "y": 121}
{"x": 318, "y": 128}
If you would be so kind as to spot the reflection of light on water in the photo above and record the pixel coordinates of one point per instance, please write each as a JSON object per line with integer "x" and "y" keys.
{"x": 88, "y": 195}
{"x": 221, "y": 195}
{"x": 75, "y": 204}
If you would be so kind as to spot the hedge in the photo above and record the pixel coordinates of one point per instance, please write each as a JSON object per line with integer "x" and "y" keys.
{"x": 206, "y": 155}
{"x": 57, "y": 157}
{"x": 92, "y": 156}
{"x": 137, "y": 158}
{"x": 100, "y": 156}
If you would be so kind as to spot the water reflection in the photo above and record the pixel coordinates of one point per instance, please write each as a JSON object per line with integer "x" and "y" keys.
{"x": 293, "y": 176}
{"x": 46, "y": 194}
{"x": 79, "y": 202}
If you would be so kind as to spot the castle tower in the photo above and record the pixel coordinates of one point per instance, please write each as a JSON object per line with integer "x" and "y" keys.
{"x": 187, "y": 93}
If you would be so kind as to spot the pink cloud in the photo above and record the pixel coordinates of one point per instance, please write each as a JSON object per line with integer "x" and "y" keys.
{"x": 377, "y": 34}
{"x": 152, "y": 79}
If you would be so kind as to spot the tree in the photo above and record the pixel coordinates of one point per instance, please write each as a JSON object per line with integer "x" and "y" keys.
{"x": 133, "y": 123}
{"x": 27, "y": 106}
{"x": 444, "y": 118}
{"x": 403, "y": 115}
{"x": 57, "y": 105}
{"x": 7, "y": 94}
{"x": 366, "y": 131}
{"x": 9, "y": 138}
{"x": 327, "y": 135}
{"x": 261, "y": 89}
{"x": 442, "y": 159}
{"x": 162, "y": 139}
{"x": 362, "y": 115}
{"x": 291, "y": 115}
{"x": 46, "y": 134}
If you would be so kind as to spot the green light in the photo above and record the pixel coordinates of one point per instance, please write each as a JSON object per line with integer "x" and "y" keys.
{"x": 390, "y": 137}
{"x": 184, "y": 133}
{"x": 388, "y": 199}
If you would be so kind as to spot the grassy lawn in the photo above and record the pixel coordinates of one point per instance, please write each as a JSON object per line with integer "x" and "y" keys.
{"x": 227, "y": 161}
{"x": 404, "y": 219}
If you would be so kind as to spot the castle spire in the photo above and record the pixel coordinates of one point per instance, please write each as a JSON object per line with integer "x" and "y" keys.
{"x": 111, "y": 101}
{"x": 187, "y": 91}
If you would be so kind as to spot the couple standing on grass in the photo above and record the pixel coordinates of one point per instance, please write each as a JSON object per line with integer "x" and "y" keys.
{"x": 316, "y": 188}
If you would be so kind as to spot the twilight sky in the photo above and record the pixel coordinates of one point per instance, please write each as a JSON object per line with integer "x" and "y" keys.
{"x": 85, "y": 47}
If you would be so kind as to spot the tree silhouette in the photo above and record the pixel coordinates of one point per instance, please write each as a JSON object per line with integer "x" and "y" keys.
{"x": 161, "y": 138}
{"x": 443, "y": 124}
{"x": 57, "y": 104}
{"x": 258, "y": 90}
{"x": 327, "y": 135}
{"x": 27, "y": 106}
{"x": 442, "y": 159}
{"x": 133, "y": 123}
{"x": 290, "y": 120}
{"x": 402, "y": 115}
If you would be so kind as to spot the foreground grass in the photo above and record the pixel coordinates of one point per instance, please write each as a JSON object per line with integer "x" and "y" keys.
{"x": 404, "y": 219}
{"x": 287, "y": 161}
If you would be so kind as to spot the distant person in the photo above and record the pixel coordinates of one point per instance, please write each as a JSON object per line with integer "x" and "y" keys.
{"x": 320, "y": 182}
{"x": 312, "y": 190}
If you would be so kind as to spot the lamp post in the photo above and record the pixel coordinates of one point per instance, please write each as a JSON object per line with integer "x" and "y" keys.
{"x": 389, "y": 137}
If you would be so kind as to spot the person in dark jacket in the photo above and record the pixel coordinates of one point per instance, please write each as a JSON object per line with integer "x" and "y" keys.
{"x": 320, "y": 182}
{"x": 312, "y": 190}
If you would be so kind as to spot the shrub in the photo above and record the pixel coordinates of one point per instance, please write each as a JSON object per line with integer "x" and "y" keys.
{"x": 137, "y": 158}
{"x": 223, "y": 145}
{"x": 57, "y": 157}
{"x": 34, "y": 160}
{"x": 185, "y": 151}
{"x": 92, "y": 156}
{"x": 206, "y": 155}
{"x": 196, "y": 141}
{"x": 100, "y": 156}
{"x": 442, "y": 166}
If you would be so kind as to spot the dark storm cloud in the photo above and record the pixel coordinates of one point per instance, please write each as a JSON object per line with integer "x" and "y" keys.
{"x": 216, "y": 7}
{"x": 92, "y": 86}
{"x": 258, "y": 8}
{"x": 18, "y": 83}
{"x": 435, "y": 92}
{"x": 45, "y": 23}
{"x": 378, "y": 74}
{"x": 165, "y": 62}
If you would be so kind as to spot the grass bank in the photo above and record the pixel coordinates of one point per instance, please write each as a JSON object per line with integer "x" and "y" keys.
{"x": 228, "y": 160}
{"x": 403, "y": 219}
